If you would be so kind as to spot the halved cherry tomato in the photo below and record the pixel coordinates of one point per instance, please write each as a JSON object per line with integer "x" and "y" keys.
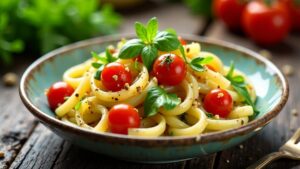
{"x": 230, "y": 12}
{"x": 182, "y": 41}
{"x": 218, "y": 102}
{"x": 169, "y": 69}
{"x": 114, "y": 76}
{"x": 121, "y": 117}
{"x": 266, "y": 24}
{"x": 57, "y": 94}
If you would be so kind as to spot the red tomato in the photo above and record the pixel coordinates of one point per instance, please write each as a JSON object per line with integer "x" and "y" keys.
{"x": 230, "y": 12}
{"x": 169, "y": 69}
{"x": 121, "y": 117}
{"x": 57, "y": 93}
{"x": 114, "y": 76}
{"x": 182, "y": 41}
{"x": 266, "y": 24}
{"x": 218, "y": 102}
{"x": 294, "y": 9}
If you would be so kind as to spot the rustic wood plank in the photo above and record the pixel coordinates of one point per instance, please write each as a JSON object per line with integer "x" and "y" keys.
{"x": 175, "y": 16}
{"x": 278, "y": 131}
{"x": 16, "y": 123}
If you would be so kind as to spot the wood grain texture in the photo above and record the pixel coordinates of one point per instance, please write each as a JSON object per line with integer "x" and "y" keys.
{"x": 279, "y": 130}
{"x": 16, "y": 123}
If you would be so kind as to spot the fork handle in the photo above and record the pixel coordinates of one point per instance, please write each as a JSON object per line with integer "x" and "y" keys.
{"x": 267, "y": 159}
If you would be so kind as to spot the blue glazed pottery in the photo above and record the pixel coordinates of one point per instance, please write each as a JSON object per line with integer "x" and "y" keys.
{"x": 268, "y": 81}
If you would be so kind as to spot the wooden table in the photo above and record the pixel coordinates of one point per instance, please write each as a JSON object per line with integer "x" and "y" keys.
{"x": 28, "y": 144}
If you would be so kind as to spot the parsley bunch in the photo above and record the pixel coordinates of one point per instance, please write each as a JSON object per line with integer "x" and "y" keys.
{"x": 149, "y": 42}
{"x": 239, "y": 85}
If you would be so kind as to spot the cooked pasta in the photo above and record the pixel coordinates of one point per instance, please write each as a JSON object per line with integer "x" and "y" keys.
{"x": 207, "y": 98}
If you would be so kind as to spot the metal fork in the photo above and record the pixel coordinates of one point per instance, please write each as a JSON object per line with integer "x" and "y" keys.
{"x": 289, "y": 150}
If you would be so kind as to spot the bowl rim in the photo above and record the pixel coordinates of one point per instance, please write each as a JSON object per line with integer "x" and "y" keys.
{"x": 205, "y": 138}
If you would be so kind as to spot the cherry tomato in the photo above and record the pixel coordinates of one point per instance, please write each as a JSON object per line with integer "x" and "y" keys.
{"x": 57, "y": 94}
{"x": 218, "y": 102}
{"x": 229, "y": 11}
{"x": 294, "y": 9}
{"x": 114, "y": 76}
{"x": 169, "y": 69}
{"x": 266, "y": 24}
{"x": 121, "y": 117}
{"x": 182, "y": 41}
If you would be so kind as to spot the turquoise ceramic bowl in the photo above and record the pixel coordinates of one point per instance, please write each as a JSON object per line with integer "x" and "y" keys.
{"x": 270, "y": 84}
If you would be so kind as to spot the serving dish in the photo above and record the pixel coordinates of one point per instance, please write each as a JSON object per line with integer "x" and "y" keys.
{"x": 270, "y": 84}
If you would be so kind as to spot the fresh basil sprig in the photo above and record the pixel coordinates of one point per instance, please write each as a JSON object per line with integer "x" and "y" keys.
{"x": 239, "y": 85}
{"x": 149, "y": 42}
{"x": 196, "y": 63}
{"x": 157, "y": 97}
{"x": 102, "y": 60}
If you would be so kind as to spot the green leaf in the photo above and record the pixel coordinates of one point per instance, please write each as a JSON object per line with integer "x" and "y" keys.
{"x": 152, "y": 29}
{"x": 102, "y": 59}
{"x": 183, "y": 53}
{"x": 166, "y": 41}
{"x": 109, "y": 57}
{"x": 157, "y": 97}
{"x": 238, "y": 79}
{"x": 97, "y": 75}
{"x": 230, "y": 72}
{"x": 96, "y": 65}
{"x": 149, "y": 53}
{"x": 78, "y": 105}
{"x": 141, "y": 32}
{"x": 197, "y": 63}
{"x": 172, "y": 31}
{"x": 131, "y": 49}
{"x": 209, "y": 115}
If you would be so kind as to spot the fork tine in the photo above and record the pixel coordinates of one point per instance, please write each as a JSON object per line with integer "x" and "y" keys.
{"x": 296, "y": 135}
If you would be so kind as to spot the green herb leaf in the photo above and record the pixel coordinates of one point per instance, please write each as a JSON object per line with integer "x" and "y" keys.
{"x": 152, "y": 29}
{"x": 209, "y": 115}
{"x": 183, "y": 53}
{"x": 98, "y": 57}
{"x": 96, "y": 65}
{"x": 172, "y": 31}
{"x": 97, "y": 75}
{"x": 78, "y": 105}
{"x": 149, "y": 53}
{"x": 109, "y": 56}
{"x": 239, "y": 85}
{"x": 157, "y": 97}
{"x": 166, "y": 41}
{"x": 131, "y": 49}
{"x": 141, "y": 32}
{"x": 197, "y": 63}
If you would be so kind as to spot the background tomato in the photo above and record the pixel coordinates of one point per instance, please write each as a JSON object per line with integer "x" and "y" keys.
{"x": 294, "y": 9}
{"x": 229, "y": 11}
{"x": 218, "y": 102}
{"x": 266, "y": 24}
{"x": 114, "y": 76}
{"x": 169, "y": 69}
{"x": 57, "y": 94}
{"x": 122, "y": 117}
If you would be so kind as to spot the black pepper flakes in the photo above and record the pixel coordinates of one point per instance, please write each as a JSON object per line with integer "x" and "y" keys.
{"x": 76, "y": 95}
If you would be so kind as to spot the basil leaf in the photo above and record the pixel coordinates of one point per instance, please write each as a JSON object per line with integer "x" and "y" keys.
{"x": 209, "y": 115}
{"x": 109, "y": 56}
{"x": 238, "y": 79}
{"x": 78, "y": 105}
{"x": 149, "y": 53}
{"x": 96, "y": 65}
{"x": 183, "y": 53}
{"x": 131, "y": 49}
{"x": 157, "y": 97}
{"x": 230, "y": 72}
{"x": 97, "y": 75}
{"x": 141, "y": 32}
{"x": 197, "y": 63}
{"x": 166, "y": 41}
{"x": 172, "y": 31}
{"x": 99, "y": 57}
{"x": 152, "y": 29}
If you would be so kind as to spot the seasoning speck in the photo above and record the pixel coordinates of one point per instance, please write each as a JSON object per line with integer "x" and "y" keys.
{"x": 287, "y": 70}
{"x": 2, "y": 154}
{"x": 265, "y": 53}
{"x": 10, "y": 79}
{"x": 77, "y": 95}
{"x": 294, "y": 112}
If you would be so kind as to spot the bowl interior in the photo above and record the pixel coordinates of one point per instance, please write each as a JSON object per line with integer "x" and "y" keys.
{"x": 50, "y": 69}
